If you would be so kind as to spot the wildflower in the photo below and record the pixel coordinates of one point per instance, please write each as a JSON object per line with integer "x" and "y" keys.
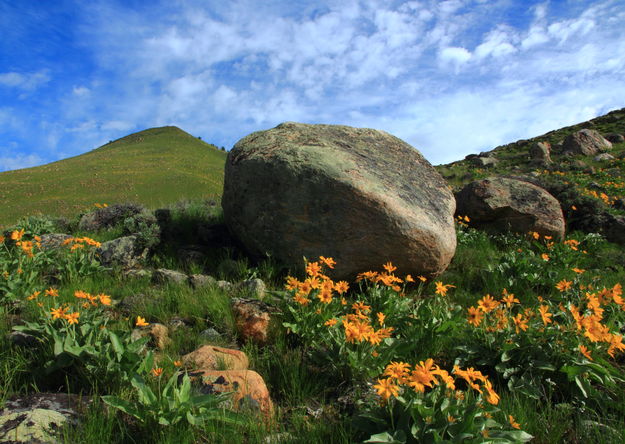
{"x": 519, "y": 322}
{"x": 369, "y": 275}
{"x": 535, "y": 235}
{"x": 422, "y": 278}
{"x": 341, "y": 287}
{"x": 573, "y": 207}
{"x": 374, "y": 338}
{"x": 343, "y": 301}
{"x": 584, "y": 351}
{"x": 360, "y": 307}
{"x": 545, "y": 257}
{"x": 72, "y": 318}
{"x": 492, "y": 396}
{"x": 572, "y": 243}
{"x": 442, "y": 289}
{"x": 422, "y": 376}
{"x": 451, "y": 419}
{"x": 408, "y": 278}
{"x": 487, "y": 303}
{"x": 33, "y": 296}
{"x": 509, "y": 298}
{"x": 616, "y": 344}
{"x": 141, "y": 322}
{"x": 17, "y": 235}
{"x": 104, "y": 299}
{"x": 314, "y": 282}
{"x": 80, "y": 294}
{"x": 58, "y": 313}
{"x": 2, "y": 238}
{"x": 52, "y": 292}
{"x": 386, "y": 388}
{"x": 301, "y": 299}
{"x": 291, "y": 283}
{"x": 157, "y": 372}
{"x": 475, "y": 316}
{"x": 397, "y": 370}
{"x": 513, "y": 423}
{"x": 177, "y": 363}
{"x": 381, "y": 318}
{"x": 328, "y": 261}
{"x": 325, "y": 296}
{"x": 578, "y": 270}
{"x": 330, "y": 323}
{"x": 313, "y": 268}
{"x": 564, "y": 285}
{"x": 389, "y": 267}
{"x": 544, "y": 314}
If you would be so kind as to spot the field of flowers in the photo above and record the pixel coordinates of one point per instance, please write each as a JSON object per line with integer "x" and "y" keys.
{"x": 521, "y": 339}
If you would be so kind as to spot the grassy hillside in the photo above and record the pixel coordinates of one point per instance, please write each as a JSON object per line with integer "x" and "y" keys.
{"x": 152, "y": 167}
{"x": 514, "y": 157}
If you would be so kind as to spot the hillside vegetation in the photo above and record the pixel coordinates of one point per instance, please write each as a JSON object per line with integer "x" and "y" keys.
{"x": 152, "y": 167}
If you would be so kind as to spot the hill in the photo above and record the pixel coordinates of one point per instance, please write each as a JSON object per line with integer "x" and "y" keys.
{"x": 514, "y": 158}
{"x": 152, "y": 167}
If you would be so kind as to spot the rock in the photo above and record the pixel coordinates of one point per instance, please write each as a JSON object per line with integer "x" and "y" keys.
{"x": 540, "y": 153}
{"x": 35, "y": 418}
{"x": 165, "y": 276}
{"x": 615, "y": 138}
{"x": 252, "y": 318}
{"x": 614, "y": 228}
{"x": 138, "y": 273}
{"x": 202, "y": 281}
{"x": 210, "y": 334}
{"x": 21, "y": 339}
{"x": 360, "y": 196}
{"x": 158, "y": 333}
{"x": 250, "y": 391}
{"x": 254, "y": 288}
{"x": 603, "y": 156}
{"x": 136, "y": 302}
{"x": 123, "y": 251}
{"x": 177, "y": 322}
{"x": 224, "y": 285}
{"x": 587, "y": 142}
{"x": 500, "y": 204}
{"x": 108, "y": 217}
{"x": 212, "y": 357}
{"x": 484, "y": 162}
{"x": 53, "y": 241}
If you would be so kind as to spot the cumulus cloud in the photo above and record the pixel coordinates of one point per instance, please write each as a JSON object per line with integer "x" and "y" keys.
{"x": 24, "y": 81}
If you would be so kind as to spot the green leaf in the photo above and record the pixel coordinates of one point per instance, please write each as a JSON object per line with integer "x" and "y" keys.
{"x": 388, "y": 438}
{"x": 122, "y": 405}
{"x": 116, "y": 343}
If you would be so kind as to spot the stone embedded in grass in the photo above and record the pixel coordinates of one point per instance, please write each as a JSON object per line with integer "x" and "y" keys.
{"x": 587, "y": 142}
{"x": 212, "y": 357}
{"x": 123, "y": 251}
{"x": 158, "y": 333}
{"x": 254, "y": 288}
{"x": 499, "y": 204}
{"x": 165, "y": 276}
{"x": 253, "y": 319}
{"x": 359, "y": 195}
{"x": 53, "y": 240}
{"x": 202, "y": 281}
{"x": 250, "y": 392}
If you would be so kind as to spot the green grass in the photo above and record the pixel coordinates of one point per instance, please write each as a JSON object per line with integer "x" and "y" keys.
{"x": 154, "y": 167}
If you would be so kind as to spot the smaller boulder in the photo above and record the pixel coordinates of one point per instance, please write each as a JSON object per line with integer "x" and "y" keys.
{"x": 123, "y": 251}
{"x": 138, "y": 273}
{"x": 158, "y": 333}
{"x": 614, "y": 228}
{"x": 202, "y": 281}
{"x": 108, "y": 217}
{"x": 587, "y": 142}
{"x": 540, "y": 153}
{"x": 165, "y": 276}
{"x": 500, "y": 204}
{"x": 484, "y": 162}
{"x": 249, "y": 390}
{"x": 615, "y": 138}
{"x": 212, "y": 357}
{"x": 53, "y": 241}
{"x": 252, "y": 318}
{"x": 253, "y": 288}
{"x": 603, "y": 156}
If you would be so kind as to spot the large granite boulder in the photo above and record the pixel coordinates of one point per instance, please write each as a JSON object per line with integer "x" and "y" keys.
{"x": 500, "y": 204}
{"x": 540, "y": 153}
{"x": 587, "y": 142}
{"x": 361, "y": 196}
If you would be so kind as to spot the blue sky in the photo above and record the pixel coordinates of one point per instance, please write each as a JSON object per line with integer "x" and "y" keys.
{"x": 450, "y": 77}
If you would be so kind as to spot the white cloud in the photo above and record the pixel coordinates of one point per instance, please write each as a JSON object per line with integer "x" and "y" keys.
{"x": 455, "y": 56}
{"x": 18, "y": 161}
{"x": 24, "y": 81}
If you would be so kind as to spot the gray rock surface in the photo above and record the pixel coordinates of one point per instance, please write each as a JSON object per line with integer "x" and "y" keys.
{"x": 123, "y": 251}
{"x": 361, "y": 196}
{"x": 587, "y": 142}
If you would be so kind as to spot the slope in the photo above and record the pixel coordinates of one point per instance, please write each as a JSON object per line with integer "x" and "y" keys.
{"x": 152, "y": 167}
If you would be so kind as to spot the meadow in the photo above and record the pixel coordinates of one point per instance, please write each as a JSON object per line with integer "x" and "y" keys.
{"x": 520, "y": 339}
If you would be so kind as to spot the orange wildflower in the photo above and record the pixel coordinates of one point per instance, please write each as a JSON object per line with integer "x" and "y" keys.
{"x": 475, "y": 316}
{"x": 386, "y": 388}
{"x": 141, "y": 322}
{"x": 544, "y": 314}
{"x": 442, "y": 289}
{"x": 328, "y": 261}
{"x": 584, "y": 351}
{"x": 487, "y": 303}
{"x": 564, "y": 285}
{"x": 72, "y": 318}
{"x": 341, "y": 287}
{"x": 513, "y": 423}
{"x": 313, "y": 268}
{"x": 157, "y": 372}
{"x": 330, "y": 322}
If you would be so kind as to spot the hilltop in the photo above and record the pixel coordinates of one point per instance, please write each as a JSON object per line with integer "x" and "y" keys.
{"x": 153, "y": 167}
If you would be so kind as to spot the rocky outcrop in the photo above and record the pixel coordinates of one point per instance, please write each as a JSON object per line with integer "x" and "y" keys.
{"x": 125, "y": 252}
{"x": 500, "y": 204}
{"x": 359, "y": 195}
{"x": 615, "y": 138}
{"x": 540, "y": 154}
{"x": 587, "y": 142}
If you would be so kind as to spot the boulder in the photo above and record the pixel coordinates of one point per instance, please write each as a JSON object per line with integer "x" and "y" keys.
{"x": 165, "y": 276}
{"x": 202, "y": 281}
{"x": 211, "y": 357}
{"x": 484, "y": 161}
{"x": 540, "y": 153}
{"x": 108, "y": 217}
{"x": 587, "y": 142}
{"x": 615, "y": 138}
{"x": 614, "y": 228}
{"x": 158, "y": 334}
{"x": 361, "y": 196}
{"x": 53, "y": 240}
{"x": 254, "y": 288}
{"x": 603, "y": 156}
{"x": 252, "y": 318}
{"x": 249, "y": 390}
{"x": 123, "y": 251}
{"x": 499, "y": 204}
